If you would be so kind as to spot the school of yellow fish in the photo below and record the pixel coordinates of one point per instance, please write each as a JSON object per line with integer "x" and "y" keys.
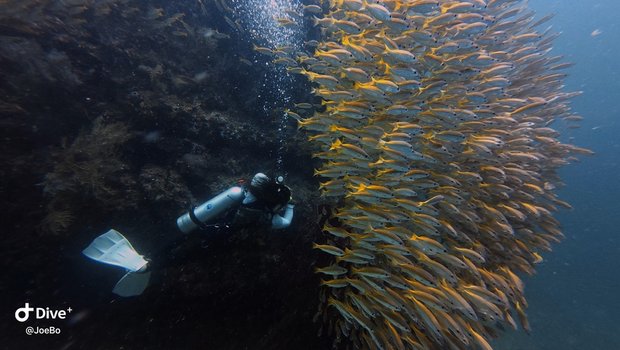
{"x": 435, "y": 137}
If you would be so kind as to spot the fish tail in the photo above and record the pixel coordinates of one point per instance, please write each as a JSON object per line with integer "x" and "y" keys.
{"x": 387, "y": 70}
{"x": 345, "y": 40}
{"x": 315, "y": 21}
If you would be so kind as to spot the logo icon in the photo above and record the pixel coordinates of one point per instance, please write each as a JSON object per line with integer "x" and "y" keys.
{"x": 23, "y": 313}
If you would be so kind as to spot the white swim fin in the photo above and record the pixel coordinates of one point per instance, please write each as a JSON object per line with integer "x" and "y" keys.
{"x": 114, "y": 249}
{"x": 132, "y": 284}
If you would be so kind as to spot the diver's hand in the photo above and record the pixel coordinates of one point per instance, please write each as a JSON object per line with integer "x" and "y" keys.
{"x": 290, "y": 200}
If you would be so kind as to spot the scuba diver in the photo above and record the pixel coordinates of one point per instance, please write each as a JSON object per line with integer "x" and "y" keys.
{"x": 264, "y": 202}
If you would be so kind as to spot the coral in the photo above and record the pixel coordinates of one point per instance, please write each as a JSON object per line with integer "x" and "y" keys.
{"x": 91, "y": 169}
{"x": 64, "y": 63}
{"x": 57, "y": 220}
{"x": 161, "y": 185}
{"x": 89, "y": 161}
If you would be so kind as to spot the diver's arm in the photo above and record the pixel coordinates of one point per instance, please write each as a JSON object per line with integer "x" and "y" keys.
{"x": 283, "y": 221}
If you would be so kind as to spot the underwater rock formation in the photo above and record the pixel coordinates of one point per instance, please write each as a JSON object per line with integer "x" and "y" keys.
{"x": 89, "y": 170}
{"x": 71, "y": 66}
{"x": 437, "y": 145}
{"x": 122, "y": 113}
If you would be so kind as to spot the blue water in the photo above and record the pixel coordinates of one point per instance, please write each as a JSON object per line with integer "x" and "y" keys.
{"x": 574, "y": 297}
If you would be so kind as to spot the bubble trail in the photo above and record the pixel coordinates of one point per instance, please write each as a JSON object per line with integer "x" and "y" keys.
{"x": 260, "y": 19}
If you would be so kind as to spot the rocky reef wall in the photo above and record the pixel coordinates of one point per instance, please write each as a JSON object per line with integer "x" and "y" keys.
{"x": 121, "y": 114}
